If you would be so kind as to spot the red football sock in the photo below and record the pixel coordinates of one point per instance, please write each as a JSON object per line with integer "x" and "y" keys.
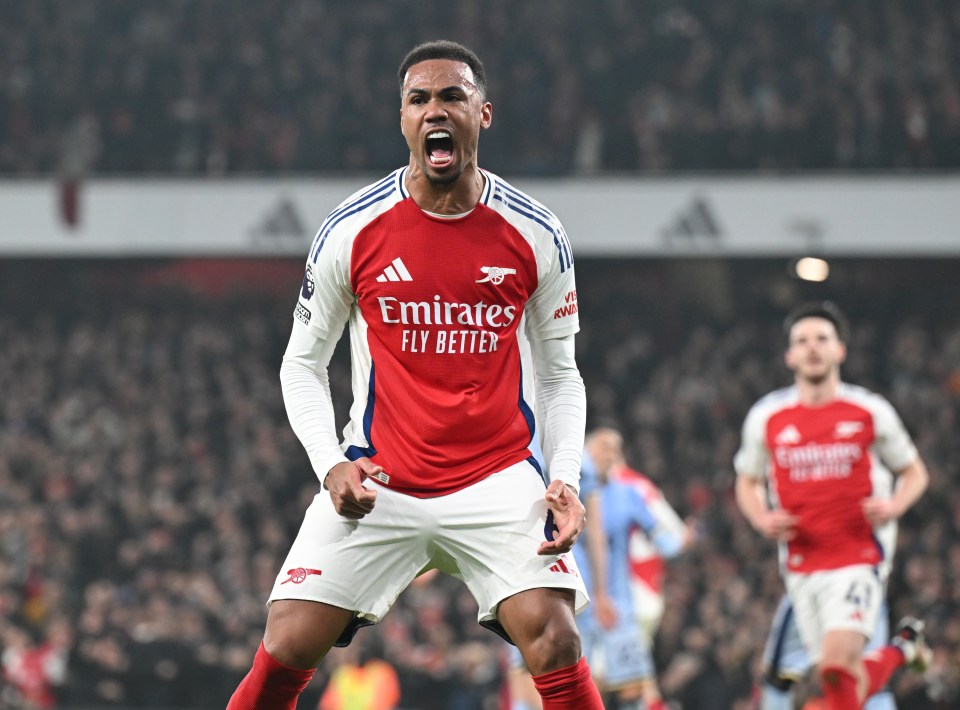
{"x": 880, "y": 666}
{"x": 657, "y": 704}
{"x": 839, "y": 689}
{"x": 569, "y": 688}
{"x": 270, "y": 685}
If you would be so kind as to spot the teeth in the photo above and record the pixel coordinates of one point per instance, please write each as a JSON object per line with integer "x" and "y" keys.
{"x": 438, "y": 134}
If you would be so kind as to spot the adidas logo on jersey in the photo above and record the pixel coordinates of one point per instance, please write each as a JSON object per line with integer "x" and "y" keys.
{"x": 397, "y": 271}
{"x": 788, "y": 435}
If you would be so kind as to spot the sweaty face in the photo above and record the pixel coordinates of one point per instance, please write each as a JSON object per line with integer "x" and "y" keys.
{"x": 441, "y": 116}
{"x": 815, "y": 351}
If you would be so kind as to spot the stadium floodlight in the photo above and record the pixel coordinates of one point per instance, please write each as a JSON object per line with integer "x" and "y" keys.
{"x": 811, "y": 268}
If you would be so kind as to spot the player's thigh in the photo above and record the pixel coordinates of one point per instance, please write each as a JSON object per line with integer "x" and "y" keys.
{"x": 541, "y": 623}
{"x": 843, "y": 600}
{"x": 299, "y": 633}
{"x": 358, "y": 565}
{"x": 853, "y": 598}
{"x": 489, "y": 536}
{"x": 803, "y": 592}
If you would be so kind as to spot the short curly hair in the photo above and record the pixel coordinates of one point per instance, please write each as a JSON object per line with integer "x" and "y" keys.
{"x": 445, "y": 49}
{"x": 827, "y": 310}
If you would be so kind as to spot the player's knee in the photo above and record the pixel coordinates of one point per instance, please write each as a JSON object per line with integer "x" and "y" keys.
{"x": 558, "y": 646}
{"x": 292, "y": 651}
{"x": 299, "y": 633}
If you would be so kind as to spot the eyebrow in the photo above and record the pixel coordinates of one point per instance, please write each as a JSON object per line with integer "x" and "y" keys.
{"x": 454, "y": 87}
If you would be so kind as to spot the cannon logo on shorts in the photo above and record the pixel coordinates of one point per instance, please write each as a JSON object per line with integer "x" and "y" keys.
{"x": 298, "y": 574}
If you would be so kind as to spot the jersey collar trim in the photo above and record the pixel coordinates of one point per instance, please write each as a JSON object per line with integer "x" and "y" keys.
{"x": 487, "y": 188}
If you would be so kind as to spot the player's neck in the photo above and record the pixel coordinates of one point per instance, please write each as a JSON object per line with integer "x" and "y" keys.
{"x": 454, "y": 198}
{"x": 816, "y": 393}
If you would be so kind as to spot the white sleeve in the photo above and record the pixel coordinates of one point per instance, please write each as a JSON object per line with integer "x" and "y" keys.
{"x": 562, "y": 403}
{"x": 893, "y": 443}
{"x": 752, "y": 458}
{"x": 306, "y": 396}
{"x": 552, "y": 309}
{"x": 666, "y": 517}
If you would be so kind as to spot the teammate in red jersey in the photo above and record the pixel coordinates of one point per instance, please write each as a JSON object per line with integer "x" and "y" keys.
{"x": 824, "y": 451}
{"x": 459, "y": 294}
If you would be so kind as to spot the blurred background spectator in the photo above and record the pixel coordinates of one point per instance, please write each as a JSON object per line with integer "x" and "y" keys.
{"x": 150, "y": 484}
{"x": 214, "y": 87}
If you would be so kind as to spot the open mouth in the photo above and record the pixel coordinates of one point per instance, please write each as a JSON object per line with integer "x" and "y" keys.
{"x": 439, "y": 147}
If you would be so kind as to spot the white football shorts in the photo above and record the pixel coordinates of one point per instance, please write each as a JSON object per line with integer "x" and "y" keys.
{"x": 846, "y": 598}
{"x": 486, "y": 535}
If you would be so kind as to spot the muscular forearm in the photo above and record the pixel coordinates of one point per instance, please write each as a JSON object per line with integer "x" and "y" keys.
{"x": 911, "y": 483}
{"x": 750, "y": 499}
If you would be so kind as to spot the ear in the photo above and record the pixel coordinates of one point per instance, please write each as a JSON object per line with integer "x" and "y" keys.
{"x": 486, "y": 115}
{"x": 788, "y": 360}
{"x": 843, "y": 353}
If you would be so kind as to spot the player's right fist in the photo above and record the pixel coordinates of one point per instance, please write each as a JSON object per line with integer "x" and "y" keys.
{"x": 350, "y": 497}
{"x": 777, "y": 524}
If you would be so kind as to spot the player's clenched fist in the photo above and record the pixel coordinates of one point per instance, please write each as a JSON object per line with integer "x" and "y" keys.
{"x": 345, "y": 483}
{"x": 569, "y": 518}
{"x": 777, "y": 524}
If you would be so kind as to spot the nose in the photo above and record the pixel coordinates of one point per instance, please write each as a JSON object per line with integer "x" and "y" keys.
{"x": 436, "y": 111}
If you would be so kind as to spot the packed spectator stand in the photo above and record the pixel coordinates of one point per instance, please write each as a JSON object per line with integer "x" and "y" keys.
{"x": 292, "y": 86}
{"x": 150, "y": 484}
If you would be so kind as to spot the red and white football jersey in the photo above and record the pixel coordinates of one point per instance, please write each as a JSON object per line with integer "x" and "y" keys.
{"x": 822, "y": 462}
{"x": 438, "y": 310}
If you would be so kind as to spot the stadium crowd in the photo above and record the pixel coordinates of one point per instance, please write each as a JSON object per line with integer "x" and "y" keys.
{"x": 150, "y": 483}
{"x": 210, "y": 88}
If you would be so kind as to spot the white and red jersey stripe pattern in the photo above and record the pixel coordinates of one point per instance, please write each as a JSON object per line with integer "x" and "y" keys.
{"x": 822, "y": 462}
{"x": 437, "y": 310}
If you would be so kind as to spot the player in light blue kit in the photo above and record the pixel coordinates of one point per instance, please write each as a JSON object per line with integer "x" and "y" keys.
{"x": 614, "y": 643}
{"x": 786, "y": 662}
{"x": 610, "y": 633}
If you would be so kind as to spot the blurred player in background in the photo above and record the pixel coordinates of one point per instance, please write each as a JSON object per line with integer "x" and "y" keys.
{"x": 619, "y": 650}
{"x": 520, "y": 690}
{"x": 617, "y": 645}
{"x": 786, "y": 662}
{"x": 647, "y": 565}
{"x": 460, "y": 296}
{"x": 826, "y": 450}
